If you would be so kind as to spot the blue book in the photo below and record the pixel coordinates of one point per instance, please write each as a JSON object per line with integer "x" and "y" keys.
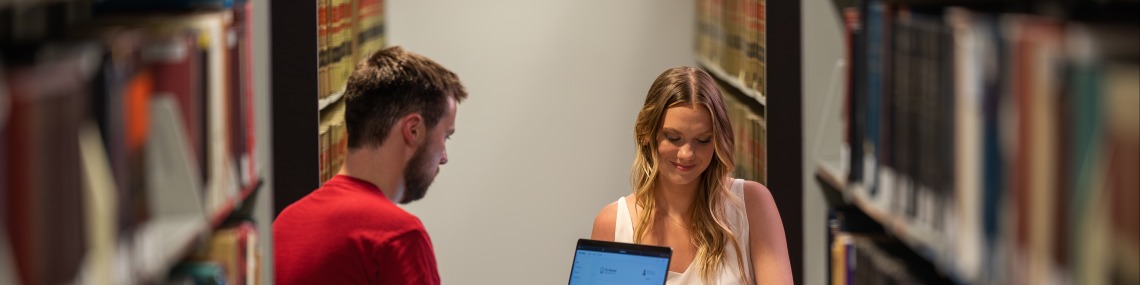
{"x": 875, "y": 41}
{"x": 993, "y": 176}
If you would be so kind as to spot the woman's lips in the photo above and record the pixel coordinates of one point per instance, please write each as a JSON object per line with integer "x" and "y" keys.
{"x": 683, "y": 167}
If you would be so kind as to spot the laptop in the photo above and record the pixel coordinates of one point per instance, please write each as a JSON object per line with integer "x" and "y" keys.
{"x": 602, "y": 262}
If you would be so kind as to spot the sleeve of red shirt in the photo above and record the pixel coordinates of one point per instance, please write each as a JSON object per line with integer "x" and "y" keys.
{"x": 408, "y": 259}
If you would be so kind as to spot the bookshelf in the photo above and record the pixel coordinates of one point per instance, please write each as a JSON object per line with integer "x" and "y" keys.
{"x": 325, "y": 102}
{"x": 734, "y": 82}
{"x": 325, "y": 40}
{"x": 761, "y": 42}
{"x": 982, "y": 135}
{"x": 931, "y": 247}
{"x": 128, "y": 138}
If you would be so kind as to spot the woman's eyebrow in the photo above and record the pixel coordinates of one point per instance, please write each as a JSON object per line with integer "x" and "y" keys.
{"x": 671, "y": 130}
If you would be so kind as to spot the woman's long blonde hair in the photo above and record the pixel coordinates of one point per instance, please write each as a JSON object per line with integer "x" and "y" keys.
{"x": 709, "y": 228}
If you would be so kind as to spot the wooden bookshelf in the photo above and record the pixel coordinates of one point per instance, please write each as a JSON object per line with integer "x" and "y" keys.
{"x": 732, "y": 81}
{"x": 923, "y": 242}
{"x": 323, "y": 103}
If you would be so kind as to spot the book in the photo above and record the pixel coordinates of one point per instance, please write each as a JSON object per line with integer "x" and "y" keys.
{"x": 733, "y": 22}
{"x": 967, "y": 116}
{"x": 47, "y": 87}
{"x": 1123, "y": 143}
{"x": 107, "y": 6}
{"x": 335, "y": 50}
{"x": 198, "y": 273}
{"x": 875, "y": 51}
{"x": 323, "y": 56}
{"x": 101, "y": 208}
{"x": 855, "y": 94}
{"x": 7, "y": 266}
{"x": 234, "y": 249}
{"x": 250, "y": 164}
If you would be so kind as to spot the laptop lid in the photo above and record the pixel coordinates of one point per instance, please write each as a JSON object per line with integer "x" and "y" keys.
{"x": 602, "y": 262}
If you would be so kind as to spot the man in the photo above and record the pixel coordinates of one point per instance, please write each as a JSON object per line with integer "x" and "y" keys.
{"x": 400, "y": 110}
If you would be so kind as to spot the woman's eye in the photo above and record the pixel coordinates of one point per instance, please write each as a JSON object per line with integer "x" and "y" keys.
{"x": 673, "y": 139}
{"x": 708, "y": 140}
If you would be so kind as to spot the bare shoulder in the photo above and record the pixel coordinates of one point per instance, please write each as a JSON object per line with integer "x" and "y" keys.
{"x": 757, "y": 195}
{"x": 760, "y": 204}
{"x": 604, "y": 223}
{"x": 769, "y": 246}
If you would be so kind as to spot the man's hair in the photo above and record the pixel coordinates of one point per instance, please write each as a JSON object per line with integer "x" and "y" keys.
{"x": 390, "y": 84}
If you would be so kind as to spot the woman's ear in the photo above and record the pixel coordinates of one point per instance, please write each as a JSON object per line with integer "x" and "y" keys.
{"x": 412, "y": 128}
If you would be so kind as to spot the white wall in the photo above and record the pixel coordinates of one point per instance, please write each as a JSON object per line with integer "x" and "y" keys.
{"x": 545, "y": 138}
{"x": 822, "y": 46}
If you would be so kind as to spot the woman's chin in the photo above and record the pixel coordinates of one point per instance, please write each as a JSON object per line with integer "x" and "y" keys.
{"x": 678, "y": 179}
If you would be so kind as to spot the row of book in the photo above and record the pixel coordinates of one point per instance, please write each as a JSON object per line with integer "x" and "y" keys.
{"x": 347, "y": 31}
{"x": 855, "y": 260}
{"x": 858, "y": 259}
{"x": 333, "y": 140}
{"x": 750, "y": 131}
{"x": 1008, "y": 141}
{"x": 121, "y": 133}
{"x": 730, "y": 35}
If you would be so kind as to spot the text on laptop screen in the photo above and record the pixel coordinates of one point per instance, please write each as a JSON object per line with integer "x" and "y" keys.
{"x": 600, "y": 265}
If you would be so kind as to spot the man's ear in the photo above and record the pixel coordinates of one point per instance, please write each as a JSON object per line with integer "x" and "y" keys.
{"x": 412, "y": 129}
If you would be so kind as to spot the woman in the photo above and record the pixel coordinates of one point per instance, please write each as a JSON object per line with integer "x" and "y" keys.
{"x": 722, "y": 230}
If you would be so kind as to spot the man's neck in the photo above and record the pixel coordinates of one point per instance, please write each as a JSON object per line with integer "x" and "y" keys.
{"x": 378, "y": 166}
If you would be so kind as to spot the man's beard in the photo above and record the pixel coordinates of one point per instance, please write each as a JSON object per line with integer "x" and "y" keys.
{"x": 417, "y": 175}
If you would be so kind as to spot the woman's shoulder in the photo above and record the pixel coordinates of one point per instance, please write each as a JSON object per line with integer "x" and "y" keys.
{"x": 757, "y": 195}
{"x": 605, "y": 222}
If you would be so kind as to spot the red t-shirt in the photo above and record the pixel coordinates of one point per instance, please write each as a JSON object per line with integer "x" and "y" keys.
{"x": 347, "y": 232}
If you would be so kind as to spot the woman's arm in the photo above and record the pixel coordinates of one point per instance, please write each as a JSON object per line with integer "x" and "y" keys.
{"x": 769, "y": 247}
{"x": 604, "y": 223}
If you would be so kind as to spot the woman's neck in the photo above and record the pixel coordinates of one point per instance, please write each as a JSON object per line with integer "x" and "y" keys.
{"x": 676, "y": 200}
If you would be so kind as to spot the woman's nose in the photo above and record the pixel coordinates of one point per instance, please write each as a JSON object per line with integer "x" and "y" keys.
{"x": 685, "y": 153}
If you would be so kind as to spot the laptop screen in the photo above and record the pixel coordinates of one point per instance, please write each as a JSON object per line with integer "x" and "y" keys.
{"x": 599, "y": 262}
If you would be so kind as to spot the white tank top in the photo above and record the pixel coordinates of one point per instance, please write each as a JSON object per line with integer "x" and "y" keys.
{"x": 729, "y": 272}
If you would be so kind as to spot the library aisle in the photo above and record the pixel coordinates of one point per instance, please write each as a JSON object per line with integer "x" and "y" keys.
{"x": 904, "y": 141}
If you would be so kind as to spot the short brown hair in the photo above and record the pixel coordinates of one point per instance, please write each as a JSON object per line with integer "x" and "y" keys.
{"x": 392, "y": 83}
